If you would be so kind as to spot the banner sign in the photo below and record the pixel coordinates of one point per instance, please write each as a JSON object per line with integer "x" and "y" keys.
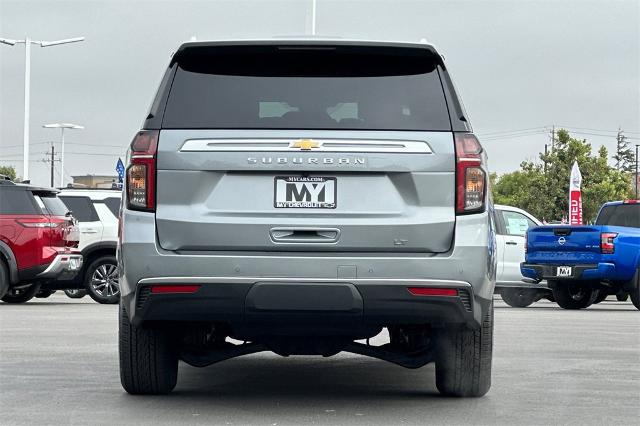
{"x": 120, "y": 170}
{"x": 575, "y": 196}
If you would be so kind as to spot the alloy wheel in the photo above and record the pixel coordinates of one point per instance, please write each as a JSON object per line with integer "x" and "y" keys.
{"x": 105, "y": 280}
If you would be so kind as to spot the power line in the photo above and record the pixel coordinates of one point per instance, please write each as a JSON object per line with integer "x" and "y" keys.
{"x": 595, "y": 130}
{"x": 511, "y": 131}
{"x": 92, "y": 153}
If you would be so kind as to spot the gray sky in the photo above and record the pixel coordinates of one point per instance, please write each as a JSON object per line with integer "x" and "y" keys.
{"x": 517, "y": 64}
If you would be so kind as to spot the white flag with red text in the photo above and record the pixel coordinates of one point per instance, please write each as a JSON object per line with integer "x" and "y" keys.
{"x": 575, "y": 196}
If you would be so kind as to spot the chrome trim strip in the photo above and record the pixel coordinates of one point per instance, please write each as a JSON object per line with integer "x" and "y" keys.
{"x": 324, "y": 145}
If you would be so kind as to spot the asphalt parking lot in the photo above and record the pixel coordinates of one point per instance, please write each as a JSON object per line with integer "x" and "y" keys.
{"x": 59, "y": 365}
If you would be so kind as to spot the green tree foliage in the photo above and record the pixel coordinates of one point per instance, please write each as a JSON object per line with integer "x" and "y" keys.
{"x": 546, "y": 194}
{"x": 8, "y": 171}
{"x": 624, "y": 157}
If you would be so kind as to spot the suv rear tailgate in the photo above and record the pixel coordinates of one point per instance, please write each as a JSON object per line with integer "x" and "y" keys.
{"x": 385, "y": 201}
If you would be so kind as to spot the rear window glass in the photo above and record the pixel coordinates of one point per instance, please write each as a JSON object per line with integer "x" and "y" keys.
{"x": 342, "y": 88}
{"x": 82, "y": 208}
{"x": 53, "y": 205}
{"x": 17, "y": 201}
{"x": 620, "y": 215}
{"x": 113, "y": 204}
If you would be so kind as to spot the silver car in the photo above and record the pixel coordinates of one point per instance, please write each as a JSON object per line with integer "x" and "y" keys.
{"x": 302, "y": 196}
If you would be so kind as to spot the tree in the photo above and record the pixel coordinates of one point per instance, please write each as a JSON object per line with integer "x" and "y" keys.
{"x": 624, "y": 156}
{"x": 8, "y": 171}
{"x": 546, "y": 195}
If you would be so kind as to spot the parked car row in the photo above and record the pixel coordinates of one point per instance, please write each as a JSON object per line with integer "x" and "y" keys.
{"x": 57, "y": 240}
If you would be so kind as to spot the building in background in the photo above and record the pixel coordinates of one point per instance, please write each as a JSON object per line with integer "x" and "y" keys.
{"x": 95, "y": 181}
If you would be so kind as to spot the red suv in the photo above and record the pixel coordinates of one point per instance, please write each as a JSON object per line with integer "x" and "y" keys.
{"x": 38, "y": 241}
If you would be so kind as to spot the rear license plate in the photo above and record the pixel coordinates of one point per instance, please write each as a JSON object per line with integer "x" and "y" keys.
{"x": 563, "y": 271}
{"x": 304, "y": 192}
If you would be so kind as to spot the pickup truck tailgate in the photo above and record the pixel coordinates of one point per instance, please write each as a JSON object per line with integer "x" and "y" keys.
{"x": 563, "y": 244}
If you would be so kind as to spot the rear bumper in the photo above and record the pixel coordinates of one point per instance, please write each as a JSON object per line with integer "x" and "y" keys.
{"x": 310, "y": 303}
{"x": 599, "y": 271}
{"x": 253, "y": 289}
{"x": 63, "y": 266}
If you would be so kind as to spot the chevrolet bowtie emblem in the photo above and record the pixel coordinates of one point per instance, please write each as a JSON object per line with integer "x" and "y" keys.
{"x": 305, "y": 144}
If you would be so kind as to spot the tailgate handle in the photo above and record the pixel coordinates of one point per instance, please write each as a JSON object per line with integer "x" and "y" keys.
{"x": 562, "y": 232}
{"x": 305, "y": 235}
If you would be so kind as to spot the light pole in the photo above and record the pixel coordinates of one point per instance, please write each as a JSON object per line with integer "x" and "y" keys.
{"x": 27, "y": 80}
{"x": 637, "y": 198}
{"x": 62, "y": 126}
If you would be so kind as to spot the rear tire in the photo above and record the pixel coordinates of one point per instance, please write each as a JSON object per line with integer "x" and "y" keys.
{"x": 101, "y": 280}
{"x": 573, "y": 295}
{"x": 21, "y": 293}
{"x": 463, "y": 359}
{"x": 148, "y": 358}
{"x": 43, "y": 294}
{"x": 76, "y": 293}
{"x": 634, "y": 290}
{"x": 622, "y": 297}
{"x": 602, "y": 295}
{"x": 519, "y": 297}
{"x": 4, "y": 278}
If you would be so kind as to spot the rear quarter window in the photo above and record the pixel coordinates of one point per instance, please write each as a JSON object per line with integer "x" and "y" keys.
{"x": 255, "y": 87}
{"x": 53, "y": 205}
{"x": 82, "y": 208}
{"x": 113, "y": 204}
{"x": 17, "y": 201}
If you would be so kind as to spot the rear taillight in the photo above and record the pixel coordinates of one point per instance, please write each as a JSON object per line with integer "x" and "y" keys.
{"x": 141, "y": 171}
{"x": 471, "y": 179}
{"x": 607, "y": 244}
{"x": 526, "y": 240}
{"x": 631, "y": 202}
{"x": 37, "y": 223}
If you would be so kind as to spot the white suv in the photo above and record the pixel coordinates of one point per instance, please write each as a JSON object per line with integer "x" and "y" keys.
{"x": 97, "y": 214}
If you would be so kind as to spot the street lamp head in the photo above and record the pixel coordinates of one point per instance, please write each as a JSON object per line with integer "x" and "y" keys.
{"x": 62, "y": 126}
{"x": 8, "y": 41}
{"x": 64, "y": 41}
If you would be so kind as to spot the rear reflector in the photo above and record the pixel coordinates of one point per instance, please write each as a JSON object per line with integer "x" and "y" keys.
{"x": 431, "y": 291}
{"x": 163, "y": 289}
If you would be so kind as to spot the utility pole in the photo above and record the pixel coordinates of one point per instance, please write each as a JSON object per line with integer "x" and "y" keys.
{"x": 553, "y": 137}
{"x": 53, "y": 156}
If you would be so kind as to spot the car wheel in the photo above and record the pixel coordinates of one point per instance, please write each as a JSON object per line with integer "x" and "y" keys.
{"x": 634, "y": 290}
{"x": 601, "y": 296}
{"x": 75, "y": 293}
{"x": 4, "y": 278}
{"x": 101, "y": 280}
{"x": 148, "y": 358}
{"x": 21, "y": 293}
{"x": 43, "y": 294}
{"x": 573, "y": 295}
{"x": 622, "y": 297}
{"x": 463, "y": 359}
{"x": 519, "y": 297}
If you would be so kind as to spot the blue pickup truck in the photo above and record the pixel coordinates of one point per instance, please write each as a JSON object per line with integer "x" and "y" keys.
{"x": 584, "y": 264}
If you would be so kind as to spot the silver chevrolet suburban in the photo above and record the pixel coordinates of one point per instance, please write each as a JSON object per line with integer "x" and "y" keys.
{"x": 301, "y": 196}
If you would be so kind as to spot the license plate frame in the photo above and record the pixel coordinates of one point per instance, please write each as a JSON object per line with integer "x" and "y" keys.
{"x": 564, "y": 271}
{"x": 304, "y": 192}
